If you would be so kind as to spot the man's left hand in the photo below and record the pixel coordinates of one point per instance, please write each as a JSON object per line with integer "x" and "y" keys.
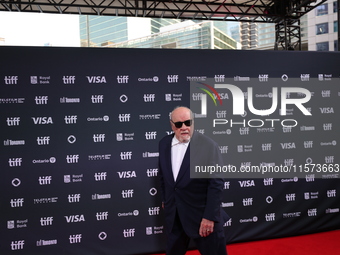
{"x": 206, "y": 228}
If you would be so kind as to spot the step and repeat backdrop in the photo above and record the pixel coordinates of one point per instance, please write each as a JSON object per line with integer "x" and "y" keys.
{"x": 80, "y": 131}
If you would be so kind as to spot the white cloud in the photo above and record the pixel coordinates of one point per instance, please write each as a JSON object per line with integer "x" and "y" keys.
{"x": 38, "y": 29}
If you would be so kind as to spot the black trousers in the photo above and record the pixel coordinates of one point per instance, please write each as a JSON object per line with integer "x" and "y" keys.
{"x": 178, "y": 242}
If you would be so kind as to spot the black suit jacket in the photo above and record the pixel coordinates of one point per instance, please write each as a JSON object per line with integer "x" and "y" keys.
{"x": 193, "y": 199}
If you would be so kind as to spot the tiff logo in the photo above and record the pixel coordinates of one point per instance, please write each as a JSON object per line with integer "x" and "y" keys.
{"x": 247, "y": 201}
{"x": 223, "y": 149}
{"x": 72, "y": 159}
{"x": 97, "y": 99}
{"x": 70, "y": 119}
{"x": 290, "y": 197}
{"x": 17, "y": 245}
{"x": 45, "y": 180}
{"x": 98, "y": 138}
{"x": 263, "y": 77}
{"x": 123, "y": 78}
{"x": 329, "y": 159}
{"x": 327, "y": 126}
{"x": 129, "y": 232}
{"x": 197, "y": 96}
{"x": 13, "y": 162}
{"x": 244, "y": 131}
{"x": 100, "y": 176}
{"x": 270, "y": 217}
{"x": 13, "y": 121}
{"x": 9, "y": 80}
{"x": 221, "y": 114}
{"x": 304, "y": 77}
{"x": 308, "y": 144}
{"x": 286, "y": 129}
{"x": 43, "y": 140}
{"x": 228, "y": 223}
{"x": 310, "y": 178}
{"x": 102, "y": 215}
{"x": 312, "y": 212}
{"x": 226, "y": 185}
{"x": 331, "y": 193}
{"x": 268, "y": 181}
{"x": 219, "y": 77}
{"x": 266, "y": 147}
{"x": 128, "y": 193}
{"x": 124, "y": 117}
{"x": 149, "y": 98}
{"x": 288, "y": 161}
{"x": 46, "y": 221}
{"x": 172, "y": 78}
{"x": 75, "y": 238}
{"x": 152, "y": 172}
{"x": 154, "y": 210}
{"x": 127, "y": 155}
{"x": 326, "y": 93}
{"x": 150, "y": 135}
{"x": 74, "y": 198}
{"x": 69, "y": 79}
{"x": 17, "y": 202}
{"x": 41, "y": 99}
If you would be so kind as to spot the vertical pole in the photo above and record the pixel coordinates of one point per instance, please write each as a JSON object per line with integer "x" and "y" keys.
{"x": 88, "y": 30}
{"x": 338, "y": 24}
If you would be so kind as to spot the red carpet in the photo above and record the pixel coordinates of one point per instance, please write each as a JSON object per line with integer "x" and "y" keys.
{"x": 325, "y": 243}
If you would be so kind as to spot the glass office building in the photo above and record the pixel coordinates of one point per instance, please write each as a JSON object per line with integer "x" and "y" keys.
{"x": 186, "y": 35}
{"x": 129, "y": 32}
{"x": 98, "y": 31}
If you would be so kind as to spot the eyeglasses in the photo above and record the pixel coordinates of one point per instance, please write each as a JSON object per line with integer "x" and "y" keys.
{"x": 179, "y": 124}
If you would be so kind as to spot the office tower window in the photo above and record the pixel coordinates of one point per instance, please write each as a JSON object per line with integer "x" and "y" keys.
{"x": 335, "y": 6}
{"x": 321, "y": 28}
{"x": 335, "y": 26}
{"x": 322, "y": 10}
{"x": 323, "y": 46}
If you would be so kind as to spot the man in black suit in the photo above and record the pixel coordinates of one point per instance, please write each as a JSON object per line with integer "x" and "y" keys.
{"x": 192, "y": 206}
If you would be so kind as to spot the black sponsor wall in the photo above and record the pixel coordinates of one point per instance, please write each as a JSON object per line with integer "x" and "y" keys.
{"x": 80, "y": 131}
